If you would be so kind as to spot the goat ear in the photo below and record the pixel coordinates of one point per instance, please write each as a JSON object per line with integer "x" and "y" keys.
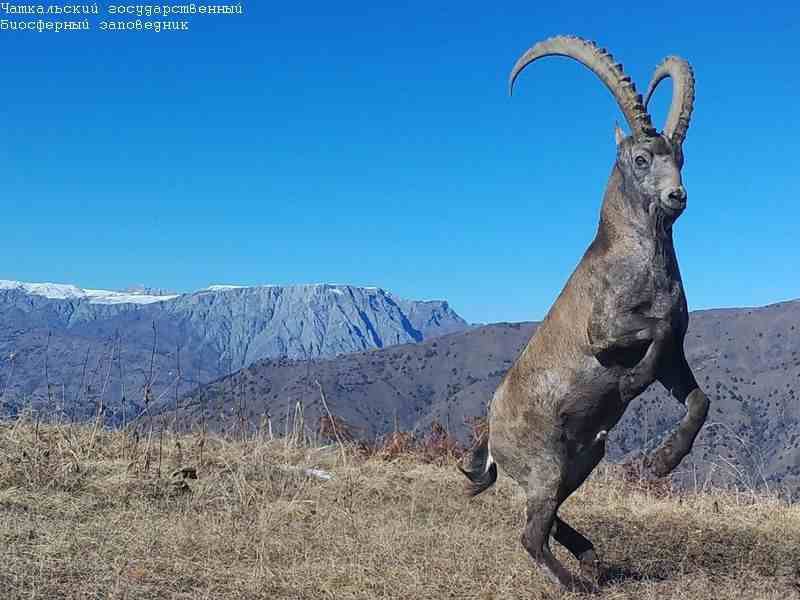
{"x": 619, "y": 135}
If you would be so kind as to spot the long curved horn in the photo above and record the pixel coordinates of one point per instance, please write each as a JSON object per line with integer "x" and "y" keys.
{"x": 602, "y": 64}
{"x": 680, "y": 109}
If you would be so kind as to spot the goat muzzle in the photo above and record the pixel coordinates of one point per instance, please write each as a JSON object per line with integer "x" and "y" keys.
{"x": 673, "y": 199}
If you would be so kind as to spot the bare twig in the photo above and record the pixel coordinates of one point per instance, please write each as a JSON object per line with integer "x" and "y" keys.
{"x": 333, "y": 423}
{"x": 84, "y": 389}
{"x": 11, "y": 357}
{"x": 177, "y": 388}
{"x": 47, "y": 370}
{"x": 123, "y": 399}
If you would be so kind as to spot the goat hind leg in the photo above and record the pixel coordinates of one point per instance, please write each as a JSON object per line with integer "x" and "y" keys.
{"x": 580, "y": 547}
{"x": 541, "y": 516}
{"x": 574, "y": 541}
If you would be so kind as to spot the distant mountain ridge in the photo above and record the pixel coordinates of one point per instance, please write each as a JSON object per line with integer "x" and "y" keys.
{"x": 215, "y": 331}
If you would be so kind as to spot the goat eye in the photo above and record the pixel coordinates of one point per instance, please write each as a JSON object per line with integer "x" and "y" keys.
{"x": 641, "y": 161}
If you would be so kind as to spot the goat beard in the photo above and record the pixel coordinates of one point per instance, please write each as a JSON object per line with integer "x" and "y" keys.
{"x": 661, "y": 221}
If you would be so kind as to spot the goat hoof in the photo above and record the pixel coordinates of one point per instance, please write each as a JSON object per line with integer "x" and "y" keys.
{"x": 657, "y": 471}
{"x": 590, "y": 566}
{"x": 584, "y": 586}
{"x": 655, "y": 465}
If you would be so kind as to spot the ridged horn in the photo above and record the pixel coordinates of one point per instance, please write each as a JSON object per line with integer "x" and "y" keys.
{"x": 601, "y": 63}
{"x": 680, "y": 109}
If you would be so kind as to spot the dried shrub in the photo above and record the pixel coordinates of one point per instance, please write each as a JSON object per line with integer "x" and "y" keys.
{"x": 478, "y": 427}
{"x": 638, "y": 479}
{"x": 438, "y": 446}
{"x": 397, "y": 444}
{"x": 329, "y": 426}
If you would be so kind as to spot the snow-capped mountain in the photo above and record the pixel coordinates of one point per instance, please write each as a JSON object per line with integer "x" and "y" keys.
{"x": 215, "y": 330}
{"x": 66, "y": 291}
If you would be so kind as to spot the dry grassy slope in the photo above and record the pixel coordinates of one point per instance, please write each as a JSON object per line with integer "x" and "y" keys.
{"x": 748, "y": 360}
{"x": 81, "y": 517}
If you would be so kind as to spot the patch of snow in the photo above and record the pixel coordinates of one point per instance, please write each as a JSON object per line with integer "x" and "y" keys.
{"x": 109, "y": 297}
{"x": 63, "y": 291}
{"x": 319, "y": 474}
{"x": 59, "y": 291}
{"x": 334, "y": 287}
{"x": 223, "y": 287}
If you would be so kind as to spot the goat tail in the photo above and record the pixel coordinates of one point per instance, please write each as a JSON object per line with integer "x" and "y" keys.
{"x": 481, "y": 470}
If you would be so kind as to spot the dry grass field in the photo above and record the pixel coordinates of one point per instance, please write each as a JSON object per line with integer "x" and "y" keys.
{"x": 84, "y": 513}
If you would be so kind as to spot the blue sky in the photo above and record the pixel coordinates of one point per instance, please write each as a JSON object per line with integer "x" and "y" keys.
{"x": 374, "y": 143}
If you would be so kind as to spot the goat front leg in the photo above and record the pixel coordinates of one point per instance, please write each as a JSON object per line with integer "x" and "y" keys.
{"x": 679, "y": 380}
{"x": 632, "y": 341}
{"x": 611, "y": 336}
{"x": 638, "y": 378}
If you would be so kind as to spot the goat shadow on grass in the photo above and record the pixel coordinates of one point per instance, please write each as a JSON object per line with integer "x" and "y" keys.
{"x": 615, "y": 574}
{"x": 639, "y": 550}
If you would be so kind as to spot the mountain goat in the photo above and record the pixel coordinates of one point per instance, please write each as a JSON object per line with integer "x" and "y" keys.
{"x": 616, "y": 327}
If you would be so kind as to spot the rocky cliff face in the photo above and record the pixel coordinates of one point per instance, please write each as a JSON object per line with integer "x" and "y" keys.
{"x": 107, "y": 337}
{"x": 307, "y": 321}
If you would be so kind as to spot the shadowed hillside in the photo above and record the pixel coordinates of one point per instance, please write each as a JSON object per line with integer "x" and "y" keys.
{"x": 748, "y": 360}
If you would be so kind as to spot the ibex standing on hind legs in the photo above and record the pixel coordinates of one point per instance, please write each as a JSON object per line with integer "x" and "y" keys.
{"x": 617, "y": 326}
